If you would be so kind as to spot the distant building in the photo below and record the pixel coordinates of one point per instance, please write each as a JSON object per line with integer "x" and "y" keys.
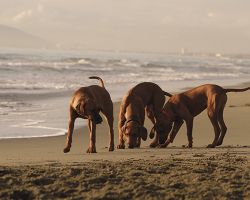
{"x": 184, "y": 50}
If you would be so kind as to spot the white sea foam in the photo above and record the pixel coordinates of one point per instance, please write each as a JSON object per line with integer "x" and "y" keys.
{"x": 35, "y": 124}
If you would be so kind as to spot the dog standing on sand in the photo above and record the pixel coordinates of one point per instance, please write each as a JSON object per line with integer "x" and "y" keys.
{"x": 86, "y": 103}
{"x": 143, "y": 96}
{"x": 185, "y": 106}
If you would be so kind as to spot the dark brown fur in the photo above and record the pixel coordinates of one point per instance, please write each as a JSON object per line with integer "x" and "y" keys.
{"x": 143, "y": 96}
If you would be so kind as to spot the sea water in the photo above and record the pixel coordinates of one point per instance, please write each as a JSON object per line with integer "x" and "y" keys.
{"x": 36, "y": 85}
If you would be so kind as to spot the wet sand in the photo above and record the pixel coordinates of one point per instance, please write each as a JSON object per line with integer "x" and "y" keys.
{"x": 37, "y": 168}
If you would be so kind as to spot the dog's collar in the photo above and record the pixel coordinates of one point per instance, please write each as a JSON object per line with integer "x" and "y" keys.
{"x": 132, "y": 119}
{"x": 82, "y": 115}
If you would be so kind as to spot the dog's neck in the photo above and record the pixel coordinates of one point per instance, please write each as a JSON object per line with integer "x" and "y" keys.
{"x": 168, "y": 113}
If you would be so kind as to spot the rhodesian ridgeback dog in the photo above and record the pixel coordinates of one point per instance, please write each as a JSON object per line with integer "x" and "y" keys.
{"x": 87, "y": 103}
{"x": 144, "y": 96}
{"x": 185, "y": 106}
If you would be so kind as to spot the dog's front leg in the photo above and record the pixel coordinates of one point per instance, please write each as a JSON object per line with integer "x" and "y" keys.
{"x": 122, "y": 121}
{"x": 138, "y": 142}
{"x": 111, "y": 143}
{"x": 175, "y": 130}
{"x": 92, "y": 138}
{"x": 72, "y": 118}
{"x": 121, "y": 144}
{"x": 155, "y": 142}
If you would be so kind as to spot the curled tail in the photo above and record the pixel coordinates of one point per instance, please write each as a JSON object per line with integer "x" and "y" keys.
{"x": 98, "y": 78}
{"x": 237, "y": 90}
{"x": 167, "y": 94}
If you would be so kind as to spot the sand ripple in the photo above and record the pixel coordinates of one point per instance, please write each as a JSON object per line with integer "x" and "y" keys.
{"x": 221, "y": 176}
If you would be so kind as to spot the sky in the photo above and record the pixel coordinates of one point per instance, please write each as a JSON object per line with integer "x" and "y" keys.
{"x": 221, "y": 26}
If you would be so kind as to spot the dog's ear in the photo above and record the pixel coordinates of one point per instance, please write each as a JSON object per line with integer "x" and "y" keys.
{"x": 143, "y": 133}
{"x": 123, "y": 128}
{"x": 78, "y": 108}
{"x": 152, "y": 133}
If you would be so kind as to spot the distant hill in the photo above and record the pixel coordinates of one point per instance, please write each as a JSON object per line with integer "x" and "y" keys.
{"x": 15, "y": 38}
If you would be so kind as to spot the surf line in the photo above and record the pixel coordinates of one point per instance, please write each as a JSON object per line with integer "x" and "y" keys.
{"x": 34, "y": 124}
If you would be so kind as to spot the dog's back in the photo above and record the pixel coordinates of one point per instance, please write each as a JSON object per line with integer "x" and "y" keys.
{"x": 146, "y": 91}
{"x": 96, "y": 92}
{"x": 196, "y": 99}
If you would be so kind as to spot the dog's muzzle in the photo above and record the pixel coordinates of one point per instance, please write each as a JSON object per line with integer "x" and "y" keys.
{"x": 97, "y": 119}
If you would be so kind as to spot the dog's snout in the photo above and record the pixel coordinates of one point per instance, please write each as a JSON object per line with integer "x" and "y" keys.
{"x": 98, "y": 121}
{"x": 97, "y": 118}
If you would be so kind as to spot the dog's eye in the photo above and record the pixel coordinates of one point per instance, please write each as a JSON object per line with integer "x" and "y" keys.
{"x": 126, "y": 134}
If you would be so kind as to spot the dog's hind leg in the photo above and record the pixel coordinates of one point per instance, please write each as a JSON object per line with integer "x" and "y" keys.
{"x": 212, "y": 110}
{"x": 150, "y": 113}
{"x": 157, "y": 105}
{"x": 221, "y": 121}
{"x": 110, "y": 119}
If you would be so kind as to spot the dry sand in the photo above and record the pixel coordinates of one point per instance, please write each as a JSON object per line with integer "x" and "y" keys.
{"x": 37, "y": 168}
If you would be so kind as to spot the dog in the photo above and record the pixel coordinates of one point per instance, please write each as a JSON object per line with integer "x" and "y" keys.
{"x": 144, "y": 96}
{"x": 185, "y": 106}
{"x": 87, "y": 103}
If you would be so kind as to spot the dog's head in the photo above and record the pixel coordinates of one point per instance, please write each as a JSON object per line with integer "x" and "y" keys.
{"x": 133, "y": 131}
{"x": 87, "y": 109}
{"x": 163, "y": 125}
{"x": 162, "y": 128}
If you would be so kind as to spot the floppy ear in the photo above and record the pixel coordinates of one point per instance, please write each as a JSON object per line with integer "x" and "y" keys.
{"x": 152, "y": 133}
{"x": 78, "y": 107}
{"x": 123, "y": 128}
{"x": 144, "y": 133}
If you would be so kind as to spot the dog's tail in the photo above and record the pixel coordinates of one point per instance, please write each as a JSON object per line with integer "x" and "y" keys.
{"x": 98, "y": 78}
{"x": 167, "y": 94}
{"x": 237, "y": 90}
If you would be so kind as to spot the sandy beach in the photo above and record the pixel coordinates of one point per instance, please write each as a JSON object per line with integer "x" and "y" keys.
{"x": 38, "y": 168}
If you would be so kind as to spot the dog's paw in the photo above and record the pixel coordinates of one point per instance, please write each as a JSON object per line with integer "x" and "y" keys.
{"x": 162, "y": 146}
{"x": 111, "y": 148}
{"x": 153, "y": 145}
{"x": 91, "y": 150}
{"x": 219, "y": 143}
{"x": 211, "y": 146}
{"x": 66, "y": 150}
{"x": 187, "y": 146}
{"x": 120, "y": 146}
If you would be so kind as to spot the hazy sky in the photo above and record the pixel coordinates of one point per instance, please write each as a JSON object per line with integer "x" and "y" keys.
{"x": 135, "y": 25}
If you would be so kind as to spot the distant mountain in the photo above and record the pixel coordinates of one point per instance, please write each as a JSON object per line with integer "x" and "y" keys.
{"x": 15, "y": 38}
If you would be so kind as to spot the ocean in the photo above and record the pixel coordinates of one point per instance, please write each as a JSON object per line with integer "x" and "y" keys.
{"x": 36, "y": 85}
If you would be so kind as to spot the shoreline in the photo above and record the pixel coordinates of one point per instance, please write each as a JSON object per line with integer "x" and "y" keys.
{"x": 62, "y": 94}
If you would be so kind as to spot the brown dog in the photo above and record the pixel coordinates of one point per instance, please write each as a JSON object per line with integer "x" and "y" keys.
{"x": 185, "y": 106}
{"x": 86, "y": 103}
{"x": 143, "y": 96}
